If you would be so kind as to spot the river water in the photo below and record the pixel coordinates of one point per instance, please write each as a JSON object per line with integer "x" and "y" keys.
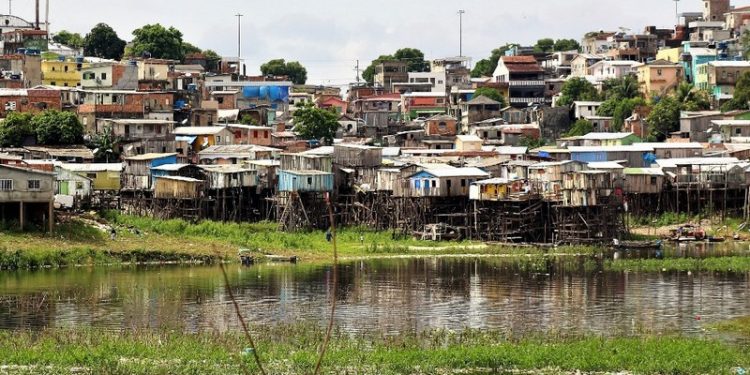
{"x": 384, "y": 295}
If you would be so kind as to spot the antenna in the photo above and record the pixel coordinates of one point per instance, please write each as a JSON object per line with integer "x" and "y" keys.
{"x": 356, "y": 68}
{"x": 677, "y": 11}
{"x": 239, "y": 43}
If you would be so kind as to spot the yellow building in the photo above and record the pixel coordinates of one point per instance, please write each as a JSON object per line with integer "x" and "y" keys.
{"x": 659, "y": 77}
{"x": 104, "y": 177}
{"x": 669, "y": 54}
{"x": 62, "y": 73}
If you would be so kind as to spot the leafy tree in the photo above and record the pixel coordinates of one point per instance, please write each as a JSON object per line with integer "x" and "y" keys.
{"x": 486, "y": 69}
{"x": 621, "y": 88}
{"x": 414, "y": 59}
{"x": 64, "y": 37}
{"x": 188, "y": 48}
{"x": 741, "y": 98}
{"x": 544, "y": 45}
{"x": 566, "y": 45}
{"x": 491, "y": 93}
{"x": 103, "y": 42}
{"x": 412, "y": 56}
{"x": 619, "y": 110}
{"x": 531, "y": 142}
{"x": 158, "y": 41}
{"x": 293, "y": 69}
{"x": 664, "y": 117}
{"x": 745, "y": 43}
{"x": 15, "y": 129}
{"x": 248, "y": 120}
{"x": 106, "y": 146}
{"x": 577, "y": 89}
{"x": 481, "y": 69}
{"x": 57, "y": 128}
{"x": 692, "y": 99}
{"x": 581, "y": 127}
{"x": 311, "y": 122}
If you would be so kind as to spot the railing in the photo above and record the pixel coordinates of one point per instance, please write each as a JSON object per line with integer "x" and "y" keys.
{"x": 528, "y": 100}
{"x": 527, "y": 83}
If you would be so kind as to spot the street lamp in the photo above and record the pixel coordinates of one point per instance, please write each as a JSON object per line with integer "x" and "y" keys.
{"x": 461, "y": 13}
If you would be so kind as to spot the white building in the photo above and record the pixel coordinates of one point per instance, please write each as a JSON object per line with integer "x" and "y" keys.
{"x": 611, "y": 69}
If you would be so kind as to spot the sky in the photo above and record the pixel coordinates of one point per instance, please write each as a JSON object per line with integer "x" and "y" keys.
{"x": 329, "y": 36}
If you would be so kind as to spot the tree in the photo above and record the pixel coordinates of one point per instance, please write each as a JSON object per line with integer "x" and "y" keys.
{"x": 491, "y": 93}
{"x": 741, "y": 97}
{"x": 293, "y": 69}
{"x": 103, "y": 42}
{"x": 577, "y": 89}
{"x": 311, "y": 122}
{"x": 566, "y": 45}
{"x": 745, "y": 43}
{"x": 621, "y": 88}
{"x": 57, "y": 128}
{"x": 692, "y": 99}
{"x": 157, "y": 42}
{"x": 581, "y": 127}
{"x": 64, "y": 37}
{"x": 188, "y": 49}
{"x": 248, "y": 120}
{"x": 413, "y": 58}
{"x": 106, "y": 146}
{"x": 482, "y": 69}
{"x": 16, "y": 129}
{"x": 544, "y": 45}
{"x": 664, "y": 118}
{"x": 531, "y": 142}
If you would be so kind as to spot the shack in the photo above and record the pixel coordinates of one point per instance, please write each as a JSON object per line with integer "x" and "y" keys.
{"x": 444, "y": 182}
{"x": 136, "y": 175}
{"x": 236, "y": 154}
{"x": 71, "y": 189}
{"x": 177, "y": 187}
{"x": 497, "y": 189}
{"x": 306, "y": 162}
{"x": 585, "y": 188}
{"x": 635, "y": 156}
{"x": 643, "y": 180}
{"x": 104, "y": 177}
{"x": 230, "y": 176}
{"x": 308, "y": 181}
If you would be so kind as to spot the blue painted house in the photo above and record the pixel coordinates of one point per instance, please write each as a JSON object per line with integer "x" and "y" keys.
{"x": 444, "y": 182}
{"x": 305, "y": 181}
{"x": 636, "y": 156}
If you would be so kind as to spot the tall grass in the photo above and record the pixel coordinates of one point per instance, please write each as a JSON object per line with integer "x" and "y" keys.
{"x": 718, "y": 264}
{"x": 293, "y": 350}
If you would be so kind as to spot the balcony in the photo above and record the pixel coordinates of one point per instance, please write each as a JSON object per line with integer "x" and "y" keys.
{"x": 527, "y": 83}
{"x": 529, "y": 100}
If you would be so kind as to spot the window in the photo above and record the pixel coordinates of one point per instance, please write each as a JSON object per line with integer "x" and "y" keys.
{"x": 6, "y": 185}
{"x": 658, "y": 72}
{"x": 53, "y": 83}
{"x": 91, "y": 175}
{"x": 79, "y": 185}
{"x": 442, "y": 125}
{"x": 35, "y": 185}
{"x": 653, "y": 180}
{"x": 417, "y": 184}
{"x": 309, "y": 180}
{"x": 66, "y": 69}
{"x": 738, "y": 131}
{"x": 218, "y": 139}
{"x": 104, "y": 75}
{"x": 255, "y": 134}
{"x": 463, "y": 182}
{"x": 265, "y": 134}
{"x": 434, "y": 184}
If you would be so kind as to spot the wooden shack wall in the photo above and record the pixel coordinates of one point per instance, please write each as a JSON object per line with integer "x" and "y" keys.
{"x": 357, "y": 157}
{"x": 176, "y": 189}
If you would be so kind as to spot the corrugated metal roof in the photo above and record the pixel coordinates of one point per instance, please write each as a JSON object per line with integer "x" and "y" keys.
{"x": 94, "y": 167}
{"x": 178, "y": 178}
{"x": 150, "y": 156}
{"x": 673, "y": 163}
{"x": 632, "y": 148}
{"x": 457, "y": 172}
{"x": 644, "y": 171}
{"x": 668, "y": 145}
{"x": 198, "y": 130}
{"x": 170, "y": 167}
{"x": 605, "y": 165}
{"x": 605, "y": 136}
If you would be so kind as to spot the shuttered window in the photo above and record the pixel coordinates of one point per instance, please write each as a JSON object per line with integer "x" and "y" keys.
{"x": 6, "y": 185}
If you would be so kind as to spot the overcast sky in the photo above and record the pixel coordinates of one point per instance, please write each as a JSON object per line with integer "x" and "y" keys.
{"x": 328, "y": 36}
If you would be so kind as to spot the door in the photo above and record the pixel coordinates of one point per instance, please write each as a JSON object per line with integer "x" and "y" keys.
{"x": 64, "y": 188}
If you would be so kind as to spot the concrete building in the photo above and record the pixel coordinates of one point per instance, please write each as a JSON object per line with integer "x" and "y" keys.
{"x": 581, "y": 64}
{"x": 26, "y": 196}
{"x": 63, "y": 73}
{"x": 389, "y": 72}
{"x": 612, "y": 69}
{"x": 658, "y": 77}
{"x": 720, "y": 78}
{"x": 110, "y": 76}
{"x": 525, "y": 77}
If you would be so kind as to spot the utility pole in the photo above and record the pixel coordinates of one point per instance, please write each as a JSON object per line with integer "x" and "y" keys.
{"x": 676, "y": 12}
{"x": 356, "y": 68}
{"x": 239, "y": 43}
{"x": 461, "y": 13}
{"x": 10, "y": 7}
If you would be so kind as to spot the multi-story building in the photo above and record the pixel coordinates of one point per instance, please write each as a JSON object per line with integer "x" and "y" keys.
{"x": 714, "y": 10}
{"x": 423, "y": 104}
{"x": 63, "y": 72}
{"x": 456, "y": 70}
{"x": 596, "y": 42}
{"x": 20, "y": 71}
{"x": 525, "y": 78}
{"x": 581, "y": 64}
{"x": 658, "y": 77}
{"x": 612, "y": 69}
{"x": 124, "y": 104}
{"x": 110, "y": 76}
{"x": 389, "y": 72}
{"x": 720, "y": 78}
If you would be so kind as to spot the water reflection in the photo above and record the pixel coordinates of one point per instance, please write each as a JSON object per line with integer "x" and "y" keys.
{"x": 395, "y": 295}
